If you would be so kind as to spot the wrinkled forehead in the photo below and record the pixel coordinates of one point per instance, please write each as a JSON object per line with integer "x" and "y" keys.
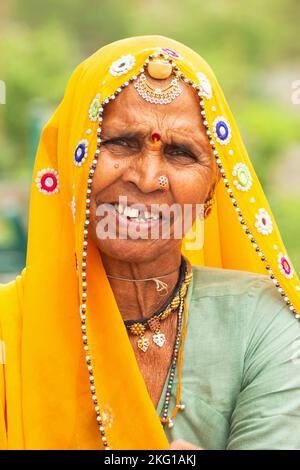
{"x": 129, "y": 109}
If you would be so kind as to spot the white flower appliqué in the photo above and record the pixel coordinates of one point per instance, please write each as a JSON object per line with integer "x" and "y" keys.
{"x": 122, "y": 65}
{"x": 284, "y": 265}
{"x": 47, "y": 181}
{"x": 205, "y": 85}
{"x": 263, "y": 222}
{"x": 222, "y": 130}
{"x": 243, "y": 175}
{"x": 95, "y": 108}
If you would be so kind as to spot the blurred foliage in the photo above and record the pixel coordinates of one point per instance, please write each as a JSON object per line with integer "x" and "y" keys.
{"x": 286, "y": 211}
{"x": 35, "y": 71}
{"x": 248, "y": 44}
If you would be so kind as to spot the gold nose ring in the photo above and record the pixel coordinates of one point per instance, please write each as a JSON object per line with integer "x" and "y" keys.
{"x": 163, "y": 182}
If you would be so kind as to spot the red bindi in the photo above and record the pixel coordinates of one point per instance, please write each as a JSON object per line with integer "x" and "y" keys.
{"x": 155, "y": 137}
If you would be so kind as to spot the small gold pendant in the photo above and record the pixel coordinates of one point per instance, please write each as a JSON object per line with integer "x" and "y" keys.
{"x": 159, "y": 339}
{"x": 143, "y": 343}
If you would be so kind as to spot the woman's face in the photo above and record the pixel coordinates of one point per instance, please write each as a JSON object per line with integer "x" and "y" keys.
{"x": 130, "y": 164}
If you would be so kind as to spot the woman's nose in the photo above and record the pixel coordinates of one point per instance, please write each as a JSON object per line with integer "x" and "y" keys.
{"x": 148, "y": 173}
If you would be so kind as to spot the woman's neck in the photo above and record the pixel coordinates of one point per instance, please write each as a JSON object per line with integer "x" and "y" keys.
{"x": 138, "y": 300}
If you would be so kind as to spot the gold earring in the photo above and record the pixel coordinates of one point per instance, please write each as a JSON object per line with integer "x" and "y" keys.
{"x": 208, "y": 206}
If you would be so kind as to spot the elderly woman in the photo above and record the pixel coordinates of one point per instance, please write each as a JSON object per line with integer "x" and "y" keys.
{"x": 141, "y": 319}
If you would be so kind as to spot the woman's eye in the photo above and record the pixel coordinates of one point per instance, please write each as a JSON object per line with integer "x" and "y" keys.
{"x": 120, "y": 142}
{"x": 177, "y": 152}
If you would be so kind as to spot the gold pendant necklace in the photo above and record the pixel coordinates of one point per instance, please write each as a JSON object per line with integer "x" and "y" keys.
{"x": 139, "y": 328}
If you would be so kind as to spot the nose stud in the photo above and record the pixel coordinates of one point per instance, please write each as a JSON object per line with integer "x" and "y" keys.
{"x": 163, "y": 182}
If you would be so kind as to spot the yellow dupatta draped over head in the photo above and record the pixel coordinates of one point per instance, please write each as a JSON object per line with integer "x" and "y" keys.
{"x": 55, "y": 402}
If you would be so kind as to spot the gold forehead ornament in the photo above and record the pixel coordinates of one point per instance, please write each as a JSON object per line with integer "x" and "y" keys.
{"x": 158, "y": 69}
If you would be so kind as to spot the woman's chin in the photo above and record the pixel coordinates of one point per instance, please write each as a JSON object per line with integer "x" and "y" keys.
{"x": 136, "y": 251}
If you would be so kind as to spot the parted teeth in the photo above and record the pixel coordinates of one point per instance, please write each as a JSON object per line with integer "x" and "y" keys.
{"x": 120, "y": 208}
{"x": 133, "y": 212}
{"x": 148, "y": 215}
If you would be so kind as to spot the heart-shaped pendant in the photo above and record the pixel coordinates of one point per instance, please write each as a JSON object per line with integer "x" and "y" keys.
{"x": 159, "y": 339}
{"x": 143, "y": 343}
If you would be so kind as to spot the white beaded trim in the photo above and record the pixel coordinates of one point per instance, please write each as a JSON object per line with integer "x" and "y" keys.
{"x": 73, "y": 208}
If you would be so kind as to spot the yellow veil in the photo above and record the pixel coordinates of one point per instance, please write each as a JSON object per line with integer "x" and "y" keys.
{"x": 45, "y": 388}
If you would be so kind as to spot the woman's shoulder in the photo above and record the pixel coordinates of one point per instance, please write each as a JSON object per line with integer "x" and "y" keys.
{"x": 241, "y": 297}
{"x": 211, "y": 281}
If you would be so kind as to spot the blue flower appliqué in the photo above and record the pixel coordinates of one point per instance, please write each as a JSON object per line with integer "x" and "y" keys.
{"x": 222, "y": 130}
{"x": 81, "y": 152}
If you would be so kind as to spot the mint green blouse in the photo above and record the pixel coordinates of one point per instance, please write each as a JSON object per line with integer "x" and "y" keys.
{"x": 241, "y": 365}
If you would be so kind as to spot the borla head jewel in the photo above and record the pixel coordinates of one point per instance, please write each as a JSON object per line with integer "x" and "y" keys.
{"x": 158, "y": 69}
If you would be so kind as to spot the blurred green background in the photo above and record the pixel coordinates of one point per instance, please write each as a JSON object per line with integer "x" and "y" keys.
{"x": 252, "y": 46}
